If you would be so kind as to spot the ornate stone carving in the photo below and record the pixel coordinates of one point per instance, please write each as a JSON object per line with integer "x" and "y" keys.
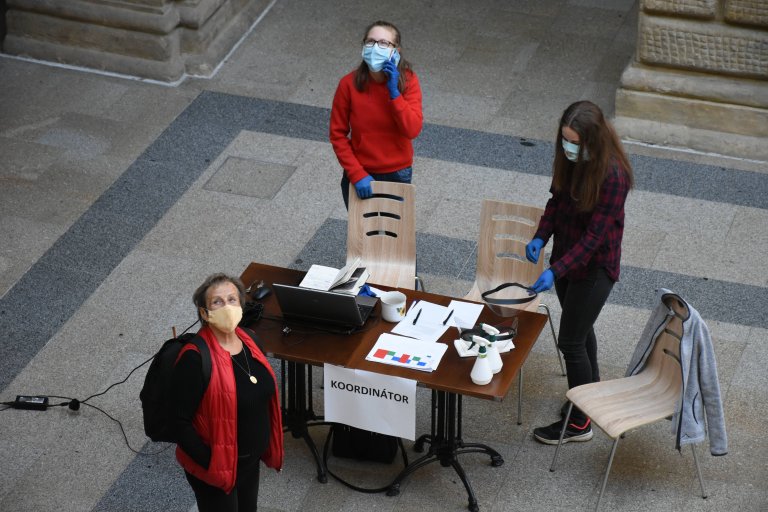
{"x": 693, "y": 8}
{"x": 693, "y": 45}
{"x": 699, "y": 83}
{"x": 750, "y": 12}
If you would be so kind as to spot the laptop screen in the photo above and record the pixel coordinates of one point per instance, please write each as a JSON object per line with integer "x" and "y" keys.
{"x": 323, "y": 307}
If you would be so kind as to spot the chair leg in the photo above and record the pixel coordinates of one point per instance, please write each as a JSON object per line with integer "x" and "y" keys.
{"x": 554, "y": 337}
{"x": 419, "y": 284}
{"x": 607, "y": 472}
{"x": 562, "y": 435}
{"x": 520, "y": 396}
{"x": 698, "y": 471}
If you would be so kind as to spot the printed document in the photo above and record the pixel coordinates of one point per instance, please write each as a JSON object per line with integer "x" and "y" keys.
{"x": 407, "y": 352}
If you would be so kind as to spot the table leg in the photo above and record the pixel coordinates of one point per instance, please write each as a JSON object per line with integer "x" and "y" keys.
{"x": 445, "y": 445}
{"x": 298, "y": 412}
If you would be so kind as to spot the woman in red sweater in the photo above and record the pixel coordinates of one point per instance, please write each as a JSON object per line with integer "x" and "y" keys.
{"x": 376, "y": 114}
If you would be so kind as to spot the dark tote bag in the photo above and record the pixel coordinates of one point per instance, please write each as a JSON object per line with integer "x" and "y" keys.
{"x": 355, "y": 443}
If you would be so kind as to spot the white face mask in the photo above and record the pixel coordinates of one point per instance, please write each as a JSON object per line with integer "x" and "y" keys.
{"x": 226, "y": 318}
{"x": 375, "y": 57}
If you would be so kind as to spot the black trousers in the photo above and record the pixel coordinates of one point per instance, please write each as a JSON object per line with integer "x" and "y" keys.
{"x": 243, "y": 498}
{"x": 581, "y": 302}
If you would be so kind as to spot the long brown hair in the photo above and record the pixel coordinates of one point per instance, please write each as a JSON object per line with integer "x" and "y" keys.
{"x": 361, "y": 74}
{"x": 598, "y": 147}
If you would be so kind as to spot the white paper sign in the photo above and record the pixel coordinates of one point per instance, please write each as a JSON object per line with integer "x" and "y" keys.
{"x": 371, "y": 401}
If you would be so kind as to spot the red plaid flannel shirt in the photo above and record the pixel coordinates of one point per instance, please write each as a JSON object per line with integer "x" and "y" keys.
{"x": 587, "y": 239}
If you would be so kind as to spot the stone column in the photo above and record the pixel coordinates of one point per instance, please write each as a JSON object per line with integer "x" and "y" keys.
{"x": 699, "y": 78}
{"x": 156, "y": 39}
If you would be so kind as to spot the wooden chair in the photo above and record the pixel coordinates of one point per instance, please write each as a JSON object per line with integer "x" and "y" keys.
{"x": 382, "y": 232}
{"x": 619, "y": 405}
{"x": 505, "y": 230}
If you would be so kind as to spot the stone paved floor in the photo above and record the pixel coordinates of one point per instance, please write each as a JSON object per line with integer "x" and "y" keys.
{"x": 117, "y": 197}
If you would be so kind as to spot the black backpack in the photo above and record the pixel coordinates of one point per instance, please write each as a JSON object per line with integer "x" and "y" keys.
{"x": 156, "y": 403}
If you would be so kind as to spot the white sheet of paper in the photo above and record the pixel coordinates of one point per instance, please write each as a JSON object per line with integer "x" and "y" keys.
{"x": 370, "y": 401}
{"x": 429, "y": 326}
{"x": 376, "y": 290}
{"x": 465, "y": 314}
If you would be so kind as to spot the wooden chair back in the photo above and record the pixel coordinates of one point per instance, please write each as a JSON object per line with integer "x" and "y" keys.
{"x": 619, "y": 405}
{"x": 664, "y": 361}
{"x": 505, "y": 230}
{"x": 382, "y": 232}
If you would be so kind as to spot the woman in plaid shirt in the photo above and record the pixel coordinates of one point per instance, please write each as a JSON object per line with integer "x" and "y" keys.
{"x": 585, "y": 218}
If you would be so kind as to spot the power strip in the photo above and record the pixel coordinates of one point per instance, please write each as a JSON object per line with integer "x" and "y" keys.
{"x": 35, "y": 403}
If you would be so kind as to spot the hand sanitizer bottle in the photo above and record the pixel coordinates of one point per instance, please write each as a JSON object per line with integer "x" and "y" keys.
{"x": 494, "y": 359}
{"x": 481, "y": 372}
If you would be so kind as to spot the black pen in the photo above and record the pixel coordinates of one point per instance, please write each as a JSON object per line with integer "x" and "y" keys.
{"x": 417, "y": 317}
{"x": 448, "y": 317}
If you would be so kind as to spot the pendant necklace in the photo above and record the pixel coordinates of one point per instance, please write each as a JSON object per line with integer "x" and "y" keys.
{"x": 248, "y": 371}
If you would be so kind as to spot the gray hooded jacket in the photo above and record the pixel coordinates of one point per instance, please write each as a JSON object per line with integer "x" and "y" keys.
{"x": 701, "y": 389}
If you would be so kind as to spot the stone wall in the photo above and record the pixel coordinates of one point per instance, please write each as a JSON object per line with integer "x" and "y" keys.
{"x": 699, "y": 78}
{"x": 156, "y": 39}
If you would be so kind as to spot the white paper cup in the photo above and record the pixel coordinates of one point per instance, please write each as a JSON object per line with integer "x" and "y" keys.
{"x": 392, "y": 306}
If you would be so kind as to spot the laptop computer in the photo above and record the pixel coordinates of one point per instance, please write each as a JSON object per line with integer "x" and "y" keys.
{"x": 337, "y": 312}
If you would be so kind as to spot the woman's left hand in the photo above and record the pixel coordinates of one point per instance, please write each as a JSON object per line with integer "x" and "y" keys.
{"x": 393, "y": 75}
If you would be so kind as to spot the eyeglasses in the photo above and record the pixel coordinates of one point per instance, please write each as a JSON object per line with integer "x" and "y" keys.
{"x": 381, "y": 43}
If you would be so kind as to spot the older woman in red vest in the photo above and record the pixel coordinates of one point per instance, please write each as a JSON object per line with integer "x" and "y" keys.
{"x": 227, "y": 426}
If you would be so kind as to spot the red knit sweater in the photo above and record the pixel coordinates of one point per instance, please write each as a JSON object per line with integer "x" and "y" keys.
{"x": 371, "y": 133}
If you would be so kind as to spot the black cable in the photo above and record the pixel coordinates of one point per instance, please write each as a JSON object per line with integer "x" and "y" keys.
{"x": 366, "y": 490}
{"x": 70, "y": 402}
{"x": 131, "y": 372}
{"x": 74, "y": 403}
{"x": 125, "y": 437}
{"x": 62, "y": 404}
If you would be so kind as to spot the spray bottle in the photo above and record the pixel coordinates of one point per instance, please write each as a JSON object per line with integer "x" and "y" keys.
{"x": 481, "y": 372}
{"x": 493, "y": 352}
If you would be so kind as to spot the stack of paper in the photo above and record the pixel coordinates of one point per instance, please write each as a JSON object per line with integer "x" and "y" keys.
{"x": 425, "y": 321}
{"x": 407, "y": 352}
{"x": 419, "y": 330}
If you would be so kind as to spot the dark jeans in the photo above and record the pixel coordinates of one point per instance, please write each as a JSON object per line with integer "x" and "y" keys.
{"x": 243, "y": 498}
{"x": 581, "y": 301}
{"x": 401, "y": 176}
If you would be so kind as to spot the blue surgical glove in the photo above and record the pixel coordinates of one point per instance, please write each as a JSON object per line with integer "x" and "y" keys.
{"x": 544, "y": 282}
{"x": 366, "y": 290}
{"x": 363, "y": 187}
{"x": 533, "y": 249}
{"x": 393, "y": 75}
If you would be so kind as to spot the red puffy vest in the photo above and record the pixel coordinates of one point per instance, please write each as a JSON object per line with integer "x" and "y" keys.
{"x": 216, "y": 418}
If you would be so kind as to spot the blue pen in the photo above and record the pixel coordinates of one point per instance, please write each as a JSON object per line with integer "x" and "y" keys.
{"x": 448, "y": 317}
{"x": 417, "y": 317}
